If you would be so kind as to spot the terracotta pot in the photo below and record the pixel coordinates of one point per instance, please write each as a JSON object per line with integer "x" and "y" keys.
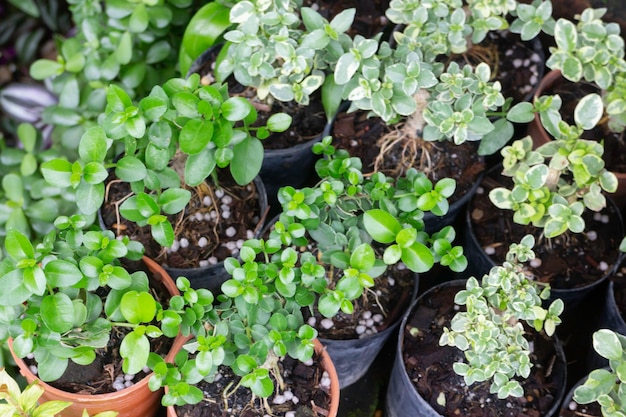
{"x": 137, "y": 400}
{"x": 540, "y": 136}
{"x": 328, "y": 366}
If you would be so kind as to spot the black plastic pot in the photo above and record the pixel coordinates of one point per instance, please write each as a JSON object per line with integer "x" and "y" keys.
{"x": 213, "y": 276}
{"x": 480, "y": 263}
{"x": 353, "y": 357}
{"x": 402, "y": 398}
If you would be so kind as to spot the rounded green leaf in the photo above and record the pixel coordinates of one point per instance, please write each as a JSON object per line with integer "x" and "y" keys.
{"x": 418, "y": 257}
{"x": 195, "y": 136}
{"x": 130, "y": 169}
{"x": 138, "y": 307}
{"x": 135, "y": 349}
{"x": 57, "y": 312}
{"x": 381, "y": 225}
{"x": 60, "y": 273}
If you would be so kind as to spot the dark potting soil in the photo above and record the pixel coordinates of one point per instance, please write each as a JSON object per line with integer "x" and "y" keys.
{"x": 303, "y": 381}
{"x": 361, "y": 137}
{"x": 568, "y": 261}
{"x": 580, "y": 410}
{"x": 194, "y": 223}
{"x": 517, "y": 65}
{"x": 379, "y": 307}
{"x": 369, "y": 19}
{"x": 99, "y": 376}
{"x": 429, "y": 366}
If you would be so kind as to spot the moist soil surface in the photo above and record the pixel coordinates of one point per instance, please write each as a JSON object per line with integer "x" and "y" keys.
{"x": 568, "y": 261}
{"x": 99, "y": 376}
{"x": 303, "y": 381}
{"x": 580, "y": 410}
{"x": 197, "y": 221}
{"x": 429, "y": 366}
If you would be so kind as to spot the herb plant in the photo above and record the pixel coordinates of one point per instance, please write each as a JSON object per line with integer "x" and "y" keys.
{"x": 326, "y": 249}
{"x": 491, "y": 332}
{"x": 555, "y": 183}
{"x": 172, "y": 139}
{"x": 52, "y": 307}
{"x": 604, "y": 386}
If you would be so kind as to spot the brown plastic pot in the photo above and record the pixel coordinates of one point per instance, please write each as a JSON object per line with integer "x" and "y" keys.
{"x": 136, "y": 400}
{"x": 328, "y": 366}
{"x": 539, "y": 135}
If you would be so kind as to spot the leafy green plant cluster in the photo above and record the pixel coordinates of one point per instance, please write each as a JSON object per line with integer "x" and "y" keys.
{"x": 53, "y": 306}
{"x": 606, "y": 386}
{"x": 490, "y": 331}
{"x": 130, "y": 43}
{"x": 27, "y": 202}
{"x": 25, "y": 403}
{"x": 555, "y": 183}
{"x": 174, "y": 137}
{"x": 326, "y": 249}
{"x": 462, "y": 103}
{"x": 281, "y": 49}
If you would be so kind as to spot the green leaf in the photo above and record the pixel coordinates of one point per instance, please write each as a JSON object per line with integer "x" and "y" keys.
{"x": 195, "y": 136}
{"x": 45, "y": 68}
{"x": 381, "y": 225}
{"x": 135, "y": 349}
{"x": 139, "y": 19}
{"x": 124, "y": 50}
{"x": 363, "y": 258}
{"x": 174, "y": 200}
{"x": 130, "y": 169}
{"x": 247, "y": 160}
{"x": 588, "y": 111}
{"x": 199, "y": 166}
{"x": 138, "y": 307}
{"x": 607, "y": 344}
{"x": 279, "y": 122}
{"x": 418, "y": 257}
{"x": 57, "y": 172}
{"x": 93, "y": 145}
{"x": 236, "y": 108}
{"x": 18, "y": 246}
{"x": 204, "y": 28}
{"x": 62, "y": 273}
{"x": 57, "y": 312}
{"x": 90, "y": 197}
{"x": 163, "y": 233}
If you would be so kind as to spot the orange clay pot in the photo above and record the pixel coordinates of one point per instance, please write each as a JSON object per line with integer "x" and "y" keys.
{"x": 328, "y": 366}
{"x": 133, "y": 401}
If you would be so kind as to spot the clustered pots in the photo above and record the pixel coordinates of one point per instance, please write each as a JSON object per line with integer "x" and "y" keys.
{"x": 146, "y": 175}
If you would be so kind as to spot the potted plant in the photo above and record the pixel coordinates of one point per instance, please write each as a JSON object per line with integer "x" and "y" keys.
{"x": 588, "y": 58}
{"x": 600, "y": 391}
{"x": 280, "y": 65}
{"x": 492, "y": 346}
{"x": 175, "y": 147}
{"x": 75, "y": 299}
{"x": 551, "y": 189}
{"x": 26, "y": 402}
{"x": 380, "y": 219}
{"x": 423, "y": 91}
